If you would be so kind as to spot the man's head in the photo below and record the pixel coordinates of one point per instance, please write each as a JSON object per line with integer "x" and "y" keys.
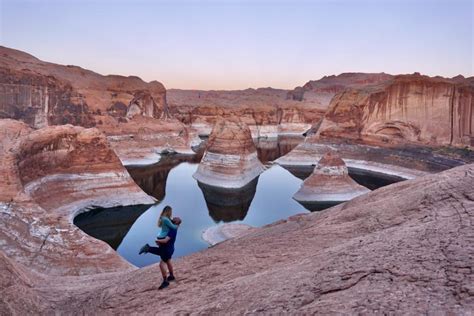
{"x": 176, "y": 220}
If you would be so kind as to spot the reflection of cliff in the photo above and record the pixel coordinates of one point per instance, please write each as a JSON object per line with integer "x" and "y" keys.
{"x": 271, "y": 149}
{"x": 111, "y": 224}
{"x": 228, "y": 205}
{"x": 152, "y": 179}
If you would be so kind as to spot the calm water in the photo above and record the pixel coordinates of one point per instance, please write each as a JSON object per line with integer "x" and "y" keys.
{"x": 267, "y": 199}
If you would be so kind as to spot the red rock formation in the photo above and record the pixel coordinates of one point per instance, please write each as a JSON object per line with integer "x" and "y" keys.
{"x": 407, "y": 109}
{"x": 127, "y": 108}
{"x": 230, "y": 159}
{"x": 394, "y": 250}
{"x": 266, "y": 111}
{"x": 321, "y": 91}
{"x": 329, "y": 184}
{"x": 42, "y": 93}
{"x": 50, "y": 175}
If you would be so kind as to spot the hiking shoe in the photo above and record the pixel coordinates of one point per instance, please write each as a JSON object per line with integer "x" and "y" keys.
{"x": 171, "y": 278}
{"x": 164, "y": 285}
{"x": 144, "y": 249}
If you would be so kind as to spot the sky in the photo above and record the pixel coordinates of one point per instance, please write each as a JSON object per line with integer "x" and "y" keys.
{"x": 244, "y": 44}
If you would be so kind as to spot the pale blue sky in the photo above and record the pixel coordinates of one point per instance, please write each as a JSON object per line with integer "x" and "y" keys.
{"x": 241, "y": 44}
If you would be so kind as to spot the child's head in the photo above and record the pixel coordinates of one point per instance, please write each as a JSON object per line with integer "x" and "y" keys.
{"x": 176, "y": 220}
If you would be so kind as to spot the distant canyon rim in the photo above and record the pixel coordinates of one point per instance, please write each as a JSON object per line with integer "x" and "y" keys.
{"x": 68, "y": 133}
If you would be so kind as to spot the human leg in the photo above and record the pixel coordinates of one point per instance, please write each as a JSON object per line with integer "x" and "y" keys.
{"x": 165, "y": 283}
{"x": 170, "y": 269}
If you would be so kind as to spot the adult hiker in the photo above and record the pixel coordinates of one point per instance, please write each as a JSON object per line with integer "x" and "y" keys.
{"x": 165, "y": 250}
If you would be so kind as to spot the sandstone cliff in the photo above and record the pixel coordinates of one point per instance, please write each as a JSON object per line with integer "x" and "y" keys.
{"x": 48, "y": 176}
{"x": 42, "y": 93}
{"x": 406, "y": 109}
{"x": 124, "y": 108}
{"x": 266, "y": 111}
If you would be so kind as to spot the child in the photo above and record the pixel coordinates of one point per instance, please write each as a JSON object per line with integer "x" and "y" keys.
{"x": 165, "y": 223}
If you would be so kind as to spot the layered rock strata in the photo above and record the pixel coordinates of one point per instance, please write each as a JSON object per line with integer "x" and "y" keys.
{"x": 394, "y": 163}
{"x": 267, "y": 112}
{"x": 230, "y": 159}
{"x": 131, "y": 112}
{"x": 382, "y": 252}
{"x": 329, "y": 184}
{"x": 406, "y": 109}
{"x": 49, "y": 176}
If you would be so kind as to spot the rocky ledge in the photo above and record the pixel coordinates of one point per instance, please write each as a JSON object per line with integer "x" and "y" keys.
{"x": 230, "y": 159}
{"x": 48, "y": 177}
{"x": 329, "y": 184}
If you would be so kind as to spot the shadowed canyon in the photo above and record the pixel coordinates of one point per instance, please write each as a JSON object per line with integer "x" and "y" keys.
{"x": 351, "y": 194}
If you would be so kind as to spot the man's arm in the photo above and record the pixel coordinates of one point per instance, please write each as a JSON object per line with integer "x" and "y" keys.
{"x": 162, "y": 241}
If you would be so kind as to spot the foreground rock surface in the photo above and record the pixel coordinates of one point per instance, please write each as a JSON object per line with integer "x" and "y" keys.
{"x": 399, "y": 249}
{"x": 216, "y": 234}
{"x": 329, "y": 183}
{"x": 230, "y": 159}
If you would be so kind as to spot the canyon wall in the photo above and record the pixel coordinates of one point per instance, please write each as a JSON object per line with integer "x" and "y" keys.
{"x": 131, "y": 112}
{"x": 267, "y": 111}
{"x": 406, "y": 109}
{"x": 41, "y": 93}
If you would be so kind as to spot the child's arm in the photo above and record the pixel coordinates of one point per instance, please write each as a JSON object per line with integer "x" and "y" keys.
{"x": 167, "y": 222}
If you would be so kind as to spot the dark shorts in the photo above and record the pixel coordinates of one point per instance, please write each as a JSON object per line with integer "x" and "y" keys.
{"x": 164, "y": 252}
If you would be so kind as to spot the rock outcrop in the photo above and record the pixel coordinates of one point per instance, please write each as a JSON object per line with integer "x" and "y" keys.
{"x": 49, "y": 176}
{"x": 124, "y": 108}
{"x": 320, "y": 92}
{"x": 230, "y": 159}
{"x": 398, "y": 249}
{"x": 406, "y": 109}
{"x": 328, "y": 185}
{"x": 266, "y": 111}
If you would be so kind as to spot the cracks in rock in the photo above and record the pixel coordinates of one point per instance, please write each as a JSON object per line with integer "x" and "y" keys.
{"x": 43, "y": 242}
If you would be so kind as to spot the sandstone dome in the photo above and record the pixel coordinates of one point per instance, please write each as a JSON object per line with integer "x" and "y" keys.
{"x": 329, "y": 184}
{"x": 230, "y": 159}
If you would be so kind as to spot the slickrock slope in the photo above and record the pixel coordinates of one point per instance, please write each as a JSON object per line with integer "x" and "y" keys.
{"x": 268, "y": 112}
{"x": 126, "y": 108}
{"x": 406, "y": 248}
{"x": 230, "y": 159}
{"x": 329, "y": 183}
{"x": 49, "y": 175}
{"x": 216, "y": 234}
{"x": 406, "y": 109}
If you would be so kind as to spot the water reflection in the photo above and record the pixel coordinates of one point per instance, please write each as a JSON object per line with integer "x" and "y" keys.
{"x": 111, "y": 224}
{"x": 228, "y": 205}
{"x": 269, "y": 149}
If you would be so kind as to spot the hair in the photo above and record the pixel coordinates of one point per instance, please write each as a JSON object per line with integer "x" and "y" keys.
{"x": 176, "y": 220}
{"x": 167, "y": 211}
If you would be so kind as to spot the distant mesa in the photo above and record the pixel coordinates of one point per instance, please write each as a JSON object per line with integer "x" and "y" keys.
{"x": 328, "y": 185}
{"x": 230, "y": 159}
